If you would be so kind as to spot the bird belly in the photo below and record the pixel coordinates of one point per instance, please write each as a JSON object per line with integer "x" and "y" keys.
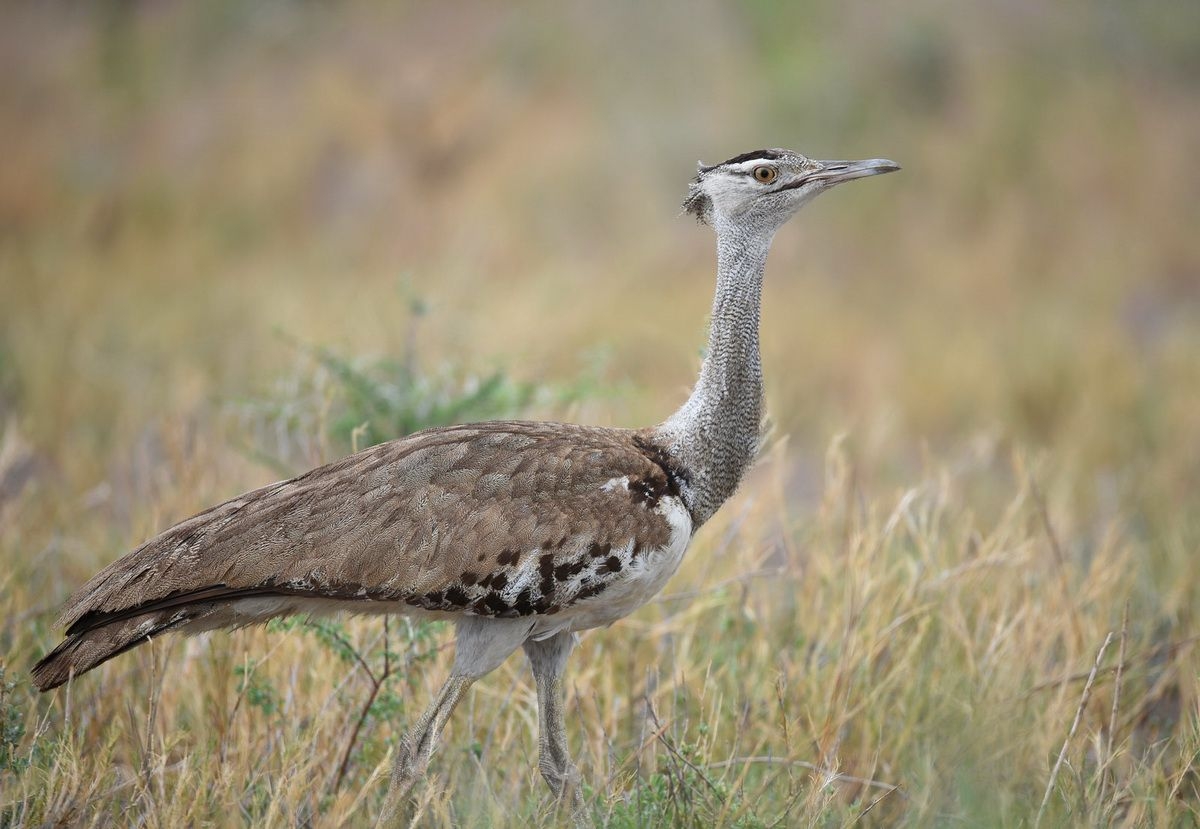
{"x": 640, "y": 580}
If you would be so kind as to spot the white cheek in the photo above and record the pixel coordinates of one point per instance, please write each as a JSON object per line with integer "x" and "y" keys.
{"x": 734, "y": 191}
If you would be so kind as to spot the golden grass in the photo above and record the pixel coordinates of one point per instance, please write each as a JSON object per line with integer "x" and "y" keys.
{"x": 985, "y": 368}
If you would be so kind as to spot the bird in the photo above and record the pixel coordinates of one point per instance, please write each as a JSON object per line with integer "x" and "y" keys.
{"x": 523, "y": 533}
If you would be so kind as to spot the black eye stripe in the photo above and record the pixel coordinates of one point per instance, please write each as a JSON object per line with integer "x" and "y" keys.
{"x": 791, "y": 185}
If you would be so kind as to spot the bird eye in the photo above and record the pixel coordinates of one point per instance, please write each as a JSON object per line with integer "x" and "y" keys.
{"x": 765, "y": 174}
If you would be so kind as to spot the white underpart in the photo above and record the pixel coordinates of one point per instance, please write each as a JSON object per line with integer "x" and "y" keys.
{"x": 642, "y": 577}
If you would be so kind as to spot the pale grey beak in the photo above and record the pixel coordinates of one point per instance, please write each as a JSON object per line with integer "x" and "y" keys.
{"x": 835, "y": 172}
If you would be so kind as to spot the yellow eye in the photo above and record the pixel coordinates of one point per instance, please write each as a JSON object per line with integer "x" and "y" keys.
{"x": 765, "y": 174}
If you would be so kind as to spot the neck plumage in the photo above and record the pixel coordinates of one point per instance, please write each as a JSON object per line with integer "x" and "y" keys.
{"x": 714, "y": 436}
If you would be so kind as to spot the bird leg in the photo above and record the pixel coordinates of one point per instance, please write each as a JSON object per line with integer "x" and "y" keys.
{"x": 480, "y": 645}
{"x": 418, "y": 745}
{"x": 548, "y": 659}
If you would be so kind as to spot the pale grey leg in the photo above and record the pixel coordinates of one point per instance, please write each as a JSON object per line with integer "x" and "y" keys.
{"x": 481, "y": 644}
{"x": 418, "y": 745}
{"x": 548, "y": 660}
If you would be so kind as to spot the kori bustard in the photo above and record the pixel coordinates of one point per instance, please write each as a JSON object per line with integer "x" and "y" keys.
{"x": 523, "y": 533}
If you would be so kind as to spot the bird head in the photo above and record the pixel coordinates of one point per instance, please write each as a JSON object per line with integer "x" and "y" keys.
{"x": 765, "y": 188}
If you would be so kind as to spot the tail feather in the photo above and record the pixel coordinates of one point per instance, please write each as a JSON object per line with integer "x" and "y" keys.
{"x": 80, "y": 652}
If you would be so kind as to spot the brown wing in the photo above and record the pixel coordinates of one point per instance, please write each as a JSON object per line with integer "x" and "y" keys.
{"x": 493, "y": 519}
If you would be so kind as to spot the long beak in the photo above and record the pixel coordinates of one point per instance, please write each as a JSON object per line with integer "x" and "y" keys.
{"x": 835, "y": 172}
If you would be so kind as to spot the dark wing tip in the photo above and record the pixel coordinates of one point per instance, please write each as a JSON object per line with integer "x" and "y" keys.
{"x": 51, "y": 670}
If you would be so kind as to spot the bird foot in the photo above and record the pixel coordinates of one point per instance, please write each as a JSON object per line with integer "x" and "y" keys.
{"x": 410, "y": 766}
{"x": 565, "y": 785}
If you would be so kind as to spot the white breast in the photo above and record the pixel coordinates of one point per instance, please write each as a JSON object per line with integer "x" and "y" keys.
{"x": 643, "y": 575}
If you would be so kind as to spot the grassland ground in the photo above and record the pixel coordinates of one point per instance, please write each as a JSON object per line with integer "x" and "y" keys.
{"x": 959, "y": 588}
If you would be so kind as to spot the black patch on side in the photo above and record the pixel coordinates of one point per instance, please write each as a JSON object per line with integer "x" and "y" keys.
{"x": 612, "y": 565}
{"x": 590, "y": 590}
{"x": 647, "y": 491}
{"x": 507, "y": 557}
{"x": 546, "y": 570}
{"x": 600, "y": 550}
{"x": 565, "y": 571}
{"x": 523, "y": 604}
{"x": 469, "y": 578}
{"x": 456, "y": 596}
{"x": 675, "y": 474}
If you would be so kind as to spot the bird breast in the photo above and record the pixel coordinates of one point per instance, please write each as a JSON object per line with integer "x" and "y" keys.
{"x": 633, "y": 575}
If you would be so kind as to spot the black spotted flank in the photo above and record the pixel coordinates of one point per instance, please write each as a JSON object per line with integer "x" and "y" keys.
{"x": 546, "y": 571}
{"x": 600, "y": 550}
{"x": 675, "y": 474}
{"x": 755, "y": 155}
{"x": 507, "y": 557}
{"x": 565, "y": 571}
{"x": 590, "y": 590}
{"x": 523, "y": 604}
{"x": 646, "y": 491}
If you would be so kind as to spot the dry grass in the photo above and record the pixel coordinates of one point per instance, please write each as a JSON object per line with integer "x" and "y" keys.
{"x": 986, "y": 369}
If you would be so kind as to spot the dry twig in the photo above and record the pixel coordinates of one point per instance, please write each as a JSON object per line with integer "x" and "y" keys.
{"x": 1062, "y": 754}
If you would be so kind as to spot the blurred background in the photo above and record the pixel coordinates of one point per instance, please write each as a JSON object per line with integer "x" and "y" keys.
{"x": 184, "y": 180}
{"x": 226, "y": 225}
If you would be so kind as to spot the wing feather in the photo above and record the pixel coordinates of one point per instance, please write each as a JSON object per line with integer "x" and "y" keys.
{"x": 495, "y": 519}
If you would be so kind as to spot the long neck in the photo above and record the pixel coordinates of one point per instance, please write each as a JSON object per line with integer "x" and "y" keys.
{"x": 714, "y": 436}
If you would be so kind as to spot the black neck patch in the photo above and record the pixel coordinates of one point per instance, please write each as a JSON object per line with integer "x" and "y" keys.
{"x": 675, "y": 474}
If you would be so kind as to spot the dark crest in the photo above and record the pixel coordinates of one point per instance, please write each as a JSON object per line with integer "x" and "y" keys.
{"x": 754, "y": 155}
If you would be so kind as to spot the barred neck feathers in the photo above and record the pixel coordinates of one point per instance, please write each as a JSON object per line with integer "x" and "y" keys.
{"x": 714, "y": 436}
